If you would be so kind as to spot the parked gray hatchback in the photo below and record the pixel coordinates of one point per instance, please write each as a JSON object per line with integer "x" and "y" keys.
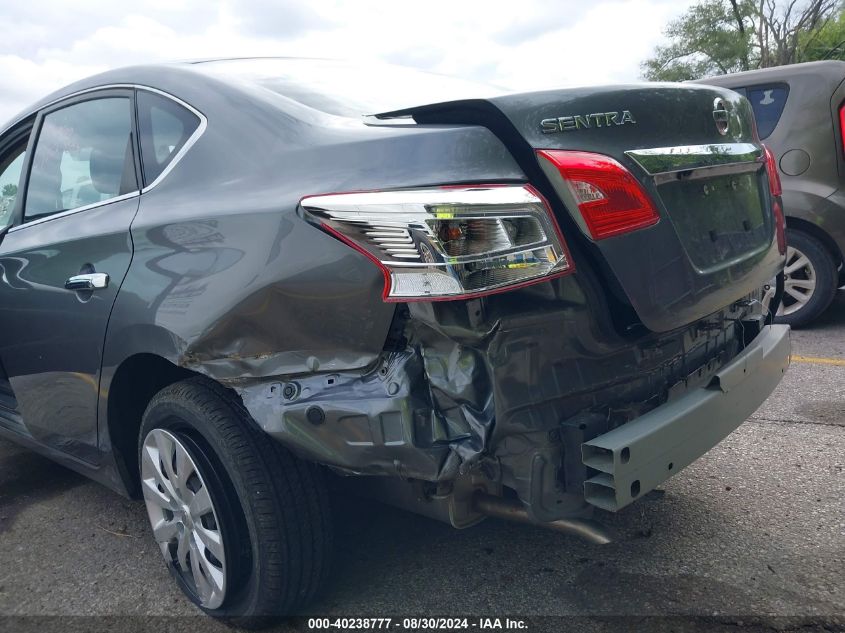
{"x": 800, "y": 110}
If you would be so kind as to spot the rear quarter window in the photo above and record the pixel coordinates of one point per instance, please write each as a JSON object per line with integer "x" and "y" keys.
{"x": 165, "y": 127}
{"x": 768, "y": 102}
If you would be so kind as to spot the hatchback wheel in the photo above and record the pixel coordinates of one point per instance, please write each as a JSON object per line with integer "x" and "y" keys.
{"x": 810, "y": 281}
{"x": 244, "y": 526}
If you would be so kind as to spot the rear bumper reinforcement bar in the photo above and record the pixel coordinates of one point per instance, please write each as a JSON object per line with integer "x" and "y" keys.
{"x": 641, "y": 454}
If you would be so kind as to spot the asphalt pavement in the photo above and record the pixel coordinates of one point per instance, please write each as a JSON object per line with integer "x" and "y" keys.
{"x": 750, "y": 537}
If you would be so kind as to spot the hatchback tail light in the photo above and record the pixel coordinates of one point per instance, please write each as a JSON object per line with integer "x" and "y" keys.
{"x": 842, "y": 126}
{"x": 447, "y": 242}
{"x": 610, "y": 199}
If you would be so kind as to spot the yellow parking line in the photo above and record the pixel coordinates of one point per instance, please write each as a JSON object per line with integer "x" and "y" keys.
{"x": 818, "y": 361}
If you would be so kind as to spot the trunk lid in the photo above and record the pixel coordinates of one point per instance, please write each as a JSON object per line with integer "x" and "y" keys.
{"x": 694, "y": 151}
{"x": 715, "y": 241}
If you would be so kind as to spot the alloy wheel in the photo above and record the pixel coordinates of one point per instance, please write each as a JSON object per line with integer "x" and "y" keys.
{"x": 183, "y": 517}
{"x": 798, "y": 285}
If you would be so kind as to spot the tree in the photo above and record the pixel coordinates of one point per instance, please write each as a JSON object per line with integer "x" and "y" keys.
{"x": 716, "y": 37}
{"x": 9, "y": 190}
{"x": 826, "y": 42}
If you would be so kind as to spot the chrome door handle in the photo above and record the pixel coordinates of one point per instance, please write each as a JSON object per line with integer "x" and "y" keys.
{"x": 90, "y": 281}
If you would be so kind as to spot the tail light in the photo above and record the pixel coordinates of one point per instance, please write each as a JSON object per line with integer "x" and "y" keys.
{"x": 610, "y": 199}
{"x": 772, "y": 169}
{"x": 449, "y": 242}
{"x": 842, "y": 126}
{"x": 777, "y": 190}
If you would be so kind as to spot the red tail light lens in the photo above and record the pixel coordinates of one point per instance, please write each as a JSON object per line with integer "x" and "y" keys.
{"x": 777, "y": 190}
{"x": 842, "y": 126}
{"x": 772, "y": 169}
{"x": 447, "y": 242}
{"x": 610, "y": 199}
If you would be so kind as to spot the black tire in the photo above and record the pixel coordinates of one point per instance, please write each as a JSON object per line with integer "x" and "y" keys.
{"x": 826, "y": 279}
{"x": 274, "y": 508}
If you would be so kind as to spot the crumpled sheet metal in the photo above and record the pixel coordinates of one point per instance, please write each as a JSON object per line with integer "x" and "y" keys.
{"x": 461, "y": 392}
{"x": 378, "y": 421}
{"x": 423, "y": 412}
{"x": 426, "y": 411}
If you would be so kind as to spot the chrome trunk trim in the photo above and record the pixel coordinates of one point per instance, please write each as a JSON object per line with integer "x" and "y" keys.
{"x": 659, "y": 161}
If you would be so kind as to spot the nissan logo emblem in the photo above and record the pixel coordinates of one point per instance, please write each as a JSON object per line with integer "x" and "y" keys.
{"x": 720, "y": 116}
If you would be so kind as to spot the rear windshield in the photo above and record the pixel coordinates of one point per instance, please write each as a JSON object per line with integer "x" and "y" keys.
{"x": 768, "y": 102}
{"x": 348, "y": 88}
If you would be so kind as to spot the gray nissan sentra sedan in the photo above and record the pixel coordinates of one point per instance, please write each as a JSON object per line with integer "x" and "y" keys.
{"x": 225, "y": 283}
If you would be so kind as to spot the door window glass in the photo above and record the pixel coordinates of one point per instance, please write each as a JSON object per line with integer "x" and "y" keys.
{"x": 768, "y": 103}
{"x": 10, "y": 175}
{"x": 83, "y": 156}
{"x": 165, "y": 126}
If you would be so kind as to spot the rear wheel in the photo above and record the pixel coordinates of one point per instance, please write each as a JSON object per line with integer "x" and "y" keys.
{"x": 244, "y": 526}
{"x": 810, "y": 280}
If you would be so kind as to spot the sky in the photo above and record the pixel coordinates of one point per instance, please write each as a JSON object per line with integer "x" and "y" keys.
{"x": 516, "y": 44}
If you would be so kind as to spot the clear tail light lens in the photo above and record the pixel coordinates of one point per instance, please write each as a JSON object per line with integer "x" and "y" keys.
{"x": 610, "y": 199}
{"x": 448, "y": 242}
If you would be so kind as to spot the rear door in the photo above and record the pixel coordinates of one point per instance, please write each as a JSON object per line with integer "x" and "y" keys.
{"x": 61, "y": 265}
{"x": 13, "y": 154}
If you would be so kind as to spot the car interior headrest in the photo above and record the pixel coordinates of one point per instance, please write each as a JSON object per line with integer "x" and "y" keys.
{"x": 106, "y": 169}
{"x": 113, "y": 169}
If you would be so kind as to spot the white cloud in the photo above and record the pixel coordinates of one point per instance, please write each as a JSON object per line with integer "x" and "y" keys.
{"x": 530, "y": 44}
{"x": 23, "y": 81}
{"x": 606, "y": 45}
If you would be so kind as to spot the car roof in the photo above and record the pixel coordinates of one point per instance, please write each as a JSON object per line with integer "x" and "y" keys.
{"x": 169, "y": 76}
{"x": 833, "y": 69}
{"x": 196, "y": 80}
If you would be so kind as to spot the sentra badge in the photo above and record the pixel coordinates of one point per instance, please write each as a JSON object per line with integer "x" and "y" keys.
{"x": 584, "y": 121}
